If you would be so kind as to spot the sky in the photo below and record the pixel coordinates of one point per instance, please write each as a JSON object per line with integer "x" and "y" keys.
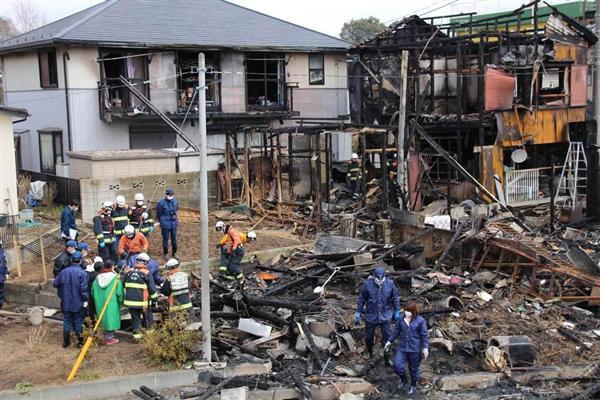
{"x": 325, "y": 16}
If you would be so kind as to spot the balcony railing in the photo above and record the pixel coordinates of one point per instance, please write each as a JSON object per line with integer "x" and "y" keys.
{"x": 522, "y": 185}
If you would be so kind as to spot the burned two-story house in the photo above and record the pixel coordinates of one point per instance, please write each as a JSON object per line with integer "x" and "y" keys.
{"x": 76, "y": 75}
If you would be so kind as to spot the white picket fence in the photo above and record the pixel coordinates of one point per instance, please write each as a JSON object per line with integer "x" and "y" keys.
{"x": 522, "y": 185}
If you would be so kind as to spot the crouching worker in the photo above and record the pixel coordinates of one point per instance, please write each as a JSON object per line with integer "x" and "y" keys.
{"x": 140, "y": 293}
{"x": 176, "y": 287}
{"x": 234, "y": 249}
{"x": 72, "y": 286}
{"x": 101, "y": 289}
{"x": 379, "y": 296}
{"x": 412, "y": 348}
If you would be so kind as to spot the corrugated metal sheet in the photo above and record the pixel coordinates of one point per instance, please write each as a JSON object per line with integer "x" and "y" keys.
{"x": 499, "y": 90}
{"x": 579, "y": 85}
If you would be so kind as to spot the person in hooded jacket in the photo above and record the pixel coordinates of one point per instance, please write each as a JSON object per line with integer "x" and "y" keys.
{"x": 93, "y": 270}
{"x": 71, "y": 284}
{"x": 379, "y": 296}
{"x": 412, "y": 348}
{"x": 101, "y": 289}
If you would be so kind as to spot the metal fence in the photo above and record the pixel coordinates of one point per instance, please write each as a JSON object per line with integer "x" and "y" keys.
{"x": 522, "y": 185}
{"x": 67, "y": 189}
{"x": 8, "y": 229}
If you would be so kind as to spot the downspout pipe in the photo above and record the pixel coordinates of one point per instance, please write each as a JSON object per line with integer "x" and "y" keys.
{"x": 66, "y": 57}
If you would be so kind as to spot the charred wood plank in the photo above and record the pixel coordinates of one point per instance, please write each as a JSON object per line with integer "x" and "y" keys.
{"x": 303, "y": 281}
{"x": 263, "y": 301}
{"x": 239, "y": 382}
{"x": 205, "y": 394}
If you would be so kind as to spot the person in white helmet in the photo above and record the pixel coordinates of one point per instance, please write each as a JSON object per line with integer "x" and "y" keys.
{"x": 120, "y": 217}
{"x": 132, "y": 243}
{"x": 104, "y": 231}
{"x": 140, "y": 216}
{"x": 232, "y": 252}
{"x": 354, "y": 176}
{"x": 176, "y": 287}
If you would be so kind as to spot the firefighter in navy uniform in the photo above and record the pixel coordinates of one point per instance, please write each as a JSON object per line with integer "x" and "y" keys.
{"x": 176, "y": 287}
{"x": 120, "y": 217}
{"x": 354, "y": 176}
{"x": 140, "y": 216}
{"x": 140, "y": 294}
{"x": 104, "y": 231}
{"x": 392, "y": 170}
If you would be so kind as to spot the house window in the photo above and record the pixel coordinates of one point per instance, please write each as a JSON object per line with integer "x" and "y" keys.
{"x": 133, "y": 66}
{"x": 51, "y": 150}
{"x": 187, "y": 81}
{"x": 47, "y": 63}
{"x": 316, "y": 69}
{"x": 552, "y": 88}
{"x": 265, "y": 80}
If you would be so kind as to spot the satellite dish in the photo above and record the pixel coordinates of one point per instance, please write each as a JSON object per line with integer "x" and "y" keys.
{"x": 519, "y": 156}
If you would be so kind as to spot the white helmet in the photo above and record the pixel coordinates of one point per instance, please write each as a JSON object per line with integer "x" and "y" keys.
{"x": 354, "y": 156}
{"x": 172, "y": 263}
{"x": 251, "y": 236}
{"x": 120, "y": 201}
{"x": 129, "y": 230}
{"x": 108, "y": 205}
{"x": 220, "y": 226}
{"x": 143, "y": 257}
{"x": 138, "y": 197}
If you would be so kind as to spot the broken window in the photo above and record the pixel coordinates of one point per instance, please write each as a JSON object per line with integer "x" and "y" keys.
{"x": 316, "y": 69}
{"x": 47, "y": 64}
{"x": 133, "y": 66}
{"x": 265, "y": 80}
{"x": 51, "y": 151}
{"x": 553, "y": 87}
{"x": 187, "y": 82}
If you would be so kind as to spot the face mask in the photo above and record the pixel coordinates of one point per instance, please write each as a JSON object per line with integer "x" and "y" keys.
{"x": 408, "y": 314}
{"x": 379, "y": 280}
{"x": 131, "y": 236}
{"x": 169, "y": 197}
{"x": 140, "y": 203}
{"x": 70, "y": 251}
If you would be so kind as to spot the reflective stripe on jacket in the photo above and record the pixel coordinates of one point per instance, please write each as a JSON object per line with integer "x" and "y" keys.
{"x": 120, "y": 219}
{"x": 104, "y": 228}
{"x": 139, "y": 288}
{"x": 138, "y": 222}
{"x": 355, "y": 172}
{"x": 176, "y": 287}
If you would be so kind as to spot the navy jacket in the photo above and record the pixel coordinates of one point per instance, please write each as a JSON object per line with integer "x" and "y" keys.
{"x": 413, "y": 338}
{"x": 166, "y": 212}
{"x": 67, "y": 220}
{"x": 378, "y": 300}
{"x": 72, "y": 287}
{"x": 3, "y": 267}
{"x": 154, "y": 270}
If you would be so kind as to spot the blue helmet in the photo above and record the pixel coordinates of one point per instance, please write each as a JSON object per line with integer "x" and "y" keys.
{"x": 76, "y": 257}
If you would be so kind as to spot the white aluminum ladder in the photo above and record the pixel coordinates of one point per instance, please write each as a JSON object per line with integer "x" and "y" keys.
{"x": 573, "y": 179}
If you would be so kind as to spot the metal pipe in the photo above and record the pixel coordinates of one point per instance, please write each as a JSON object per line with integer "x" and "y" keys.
{"x": 67, "y": 102}
{"x": 204, "y": 263}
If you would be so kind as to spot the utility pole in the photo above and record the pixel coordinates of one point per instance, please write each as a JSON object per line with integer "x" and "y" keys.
{"x": 204, "y": 264}
{"x": 402, "y": 127}
{"x": 594, "y": 196}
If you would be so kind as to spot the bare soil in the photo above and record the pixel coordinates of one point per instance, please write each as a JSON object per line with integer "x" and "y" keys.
{"x": 35, "y": 355}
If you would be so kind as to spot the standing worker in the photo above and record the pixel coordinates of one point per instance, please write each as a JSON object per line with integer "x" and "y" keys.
{"x": 152, "y": 267}
{"x": 68, "y": 228}
{"x": 3, "y": 273}
{"x": 176, "y": 287}
{"x": 413, "y": 346}
{"x": 64, "y": 259}
{"x": 140, "y": 293}
{"x": 166, "y": 212}
{"x": 380, "y": 295}
{"x": 139, "y": 215}
{"x": 104, "y": 231}
{"x": 101, "y": 289}
{"x": 72, "y": 287}
{"x": 131, "y": 244}
{"x": 234, "y": 250}
{"x": 354, "y": 176}
{"x": 120, "y": 217}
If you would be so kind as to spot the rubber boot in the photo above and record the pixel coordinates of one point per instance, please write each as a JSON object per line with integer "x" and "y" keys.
{"x": 166, "y": 253}
{"x": 79, "y": 341}
{"x": 412, "y": 390}
{"x": 66, "y": 339}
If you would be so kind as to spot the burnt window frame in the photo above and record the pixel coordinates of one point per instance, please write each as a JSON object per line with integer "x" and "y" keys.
{"x": 50, "y": 55}
{"x": 213, "y": 62}
{"x": 280, "y": 79}
{"x": 55, "y": 133}
{"x": 320, "y": 82}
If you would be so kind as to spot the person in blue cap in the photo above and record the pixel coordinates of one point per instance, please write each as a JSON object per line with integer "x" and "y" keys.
{"x": 3, "y": 273}
{"x": 379, "y": 296}
{"x": 166, "y": 212}
{"x": 64, "y": 259}
{"x": 68, "y": 228}
{"x": 72, "y": 287}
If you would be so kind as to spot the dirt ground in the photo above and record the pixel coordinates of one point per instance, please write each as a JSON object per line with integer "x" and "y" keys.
{"x": 35, "y": 355}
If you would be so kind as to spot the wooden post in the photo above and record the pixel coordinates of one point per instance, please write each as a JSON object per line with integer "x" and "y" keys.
{"x": 228, "y": 166}
{"x": 401, "y": 127}
{"x": 291, "y": 164}
{"x": 363, "y": 167}
{"x": 17, "y": 254}
{"x": 247, "y": 169}
{"x": 43, "y": 255}
{"x": 279, "y": 178}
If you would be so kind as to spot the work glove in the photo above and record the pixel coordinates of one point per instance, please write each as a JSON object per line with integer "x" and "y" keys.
{"x": 397, "y": 315}
{"x": 425, "y": 353}
{"x": 85, "y": 304}
{"x": 151, "y": 229}
{"x": 387, "y": 347}
{"x": 145, "y": 215}
{"x": 102, "y": 245}
{"x": 357, "y": 318}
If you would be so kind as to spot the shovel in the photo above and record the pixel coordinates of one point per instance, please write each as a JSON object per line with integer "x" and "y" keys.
{"x": 321, "y": 289}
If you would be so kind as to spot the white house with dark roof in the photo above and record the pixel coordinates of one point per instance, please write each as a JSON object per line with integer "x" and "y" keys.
{"x": 261, "y": 71}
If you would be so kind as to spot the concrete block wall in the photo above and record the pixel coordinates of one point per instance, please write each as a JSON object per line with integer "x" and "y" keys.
{"x": 109, "y": 169}
{"x": 186, "y": 186}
